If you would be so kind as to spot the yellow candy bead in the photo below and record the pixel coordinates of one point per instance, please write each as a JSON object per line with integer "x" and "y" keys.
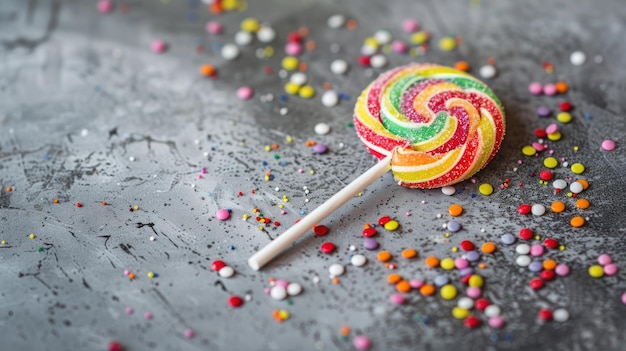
{"x": 578, "y": 168}
{"x": 392, "y": 225}
{"x": 448, "y": 291}
{"x": 250, "y": 25}
{"x": 529, "y": 150}
{"x": 550, "y": 162}
{"x": 596, "y": 271}
{"x": 564, "y": 117}
{"x": 290, "y": 63}
{"x": 291, "y": 88}
{"x": 150, "y": 274}
{"x": 32, "y": 236}
{"x": 485, "y": 189}
{"x": 447, "y": 264}
{"x": 230, "y": 5}
{"x": 554, "y": 136}
{"x": 447, "y": 44}
{"x": 307, "y": 92}
{"x": 371, "y": 42}
{"x": 420, "y": 37}
{"x": 460, "y": 313}
{"x": 283, "y": 314}
{"x": 476, "y": 280}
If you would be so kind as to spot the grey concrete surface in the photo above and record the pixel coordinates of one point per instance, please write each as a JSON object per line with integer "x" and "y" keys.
{"x": 81, "y": 94}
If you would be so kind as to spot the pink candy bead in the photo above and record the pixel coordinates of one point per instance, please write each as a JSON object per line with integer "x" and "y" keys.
{"x": 549, "y": 89}
{"x": 159, "y": 46}
{"x": 147, "y": 315}
{"x": 473, "y": 292}
{"x": 105, "y": 6}
{"x": 188, "y": 333}
{"x": 410, "y": 25}
{"x": 608, "y": 145}
{"x": 610, "y": 269}
{"x": 461, "y": 263}
{"x": 361, "y": 342}
{"x": 222, "y": 214}
{"x": 244, "y": 93}
{"x": 552, "y": 128}
{"x": 129, "y": 310}
{"x": 604, "y": 259}
{"x": 496, "y": 322}
{"x": 293, "y": 48}
{"x": 562, "y": 270}
{"x": 397, "y": 299}
{"x": 399, "y": 47}
{"x": 535, "y": 88}
{"x": 213, "y": 27}
{"x": 416, "y": 283}
{"x": 282, "y": 282}
{"x": 624, "y": 298}
{"x": 536, "y": 250}
{"x": 539, "y": 146}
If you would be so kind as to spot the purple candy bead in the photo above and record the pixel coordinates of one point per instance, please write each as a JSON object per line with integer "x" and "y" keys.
{"x": 535, "y": 266}
{"x": 319, "y": 148}
{"x": 370, "y": 244}
{"x": 543, "y": 111}
{"x": 454, "y": 226}
{"x": 472, "y": 256}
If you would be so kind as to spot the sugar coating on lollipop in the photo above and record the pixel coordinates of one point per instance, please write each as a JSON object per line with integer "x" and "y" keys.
{"x": 440, "y": 125}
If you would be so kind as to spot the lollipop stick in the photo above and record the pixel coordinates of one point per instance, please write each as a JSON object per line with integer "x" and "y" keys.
{"x": 279, "y": 244}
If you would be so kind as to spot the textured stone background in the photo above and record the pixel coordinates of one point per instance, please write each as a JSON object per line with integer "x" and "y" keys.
{"x": 81, "y": 93}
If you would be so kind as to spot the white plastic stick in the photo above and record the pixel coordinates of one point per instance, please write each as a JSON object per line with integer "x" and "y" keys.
{"x": 279, "y": 244}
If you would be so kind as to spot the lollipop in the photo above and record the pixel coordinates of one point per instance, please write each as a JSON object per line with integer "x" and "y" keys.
{"x": 440, "y": 125}
{"x": 431, "y": 125}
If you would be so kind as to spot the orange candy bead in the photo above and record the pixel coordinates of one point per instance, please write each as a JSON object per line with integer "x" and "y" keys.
{"x": 394, "y": 278}
{"x": 489, "y": 247}
{"x": 549, "y": 264}
{"x": 409, "y": 253}
{"x": 577, "y": 222}
{"x": 427, "y": 289}
{"x": 557, "y": 207}
{"x": 383, "y": 256}
{"x": 432, "y": 262}
{"x": 583, "y": 204}
{"x": 455, "y": 210}
{"x": 403, "y": 286}
{"x": 462, "y": 66}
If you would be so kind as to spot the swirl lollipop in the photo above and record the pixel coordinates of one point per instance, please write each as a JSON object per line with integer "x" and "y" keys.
{"x": 431, "y": 125}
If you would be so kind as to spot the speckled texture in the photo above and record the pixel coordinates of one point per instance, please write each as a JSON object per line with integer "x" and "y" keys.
{"x": 81, "y": 93}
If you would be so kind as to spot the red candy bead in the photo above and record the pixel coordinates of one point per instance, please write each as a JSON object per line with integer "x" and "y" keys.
{"x": 327, "y": 247}
{"x": 369, "y": 232}
{"x": 545, "y": 314}
{"x": 320, "y": 230}
{"x": 465, "y": 279}
{"x": 217, "y": 265}
{"x": 115, "y": 346}
{"x": 551, "y": 243}
{"x": 383, "y": 220}
{"x": 364, "y": 61}
{"x": 547, "y": 274}
{"x": 235, "y": 301}
{"x": 565, "y": 106}
{"x": 526, "y": 233}
{"x": 471, "y": 322}
{"x": 546, "y": 175}
{"x": 536, "y": 283}
{"x": 524, "y": 209}
{"x": 482, "y": 303}
{"x": 467, "y": 245}
{"x": 78, "y": 204}
{"x": 540, "y": 133}
{"x": 294, "y": 38}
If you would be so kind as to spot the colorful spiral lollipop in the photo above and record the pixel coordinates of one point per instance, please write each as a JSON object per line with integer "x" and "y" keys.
{"x": 431, "y": 125}
{"x": 440, "y": 125}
